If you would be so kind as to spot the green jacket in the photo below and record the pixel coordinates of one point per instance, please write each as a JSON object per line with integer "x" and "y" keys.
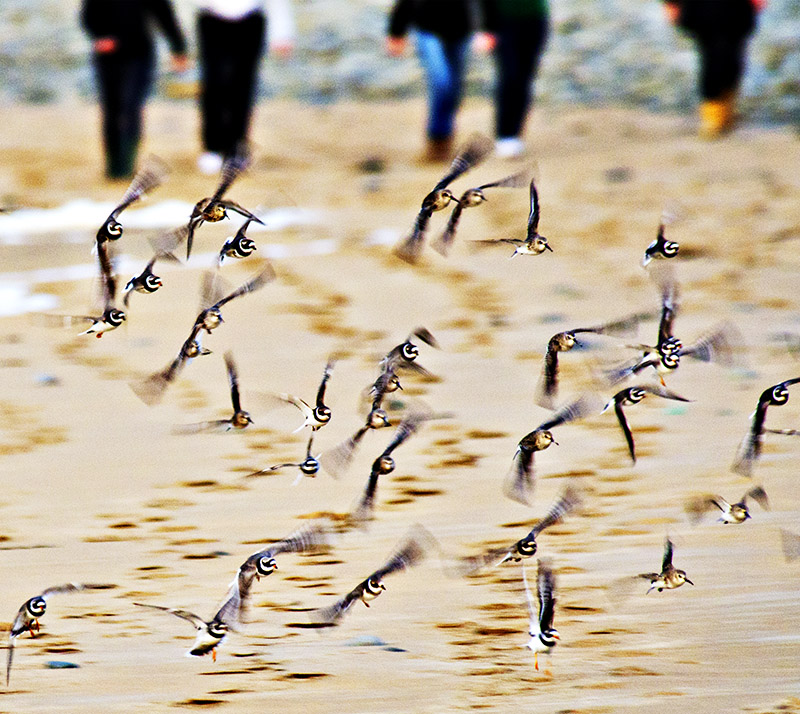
{"x": 521, "y": 8}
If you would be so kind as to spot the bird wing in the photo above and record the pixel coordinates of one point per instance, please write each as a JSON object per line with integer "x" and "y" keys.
{"x": 626, "y": 430}
{"x": 715, "y": 346}
{"x": 258, "y": 281}
{"x": 337, "y": 460}
{"x": 548, "y": 384}
{"x": 520, "y": 481}
{"x": 516, "y": 180}
{"x": 759, "y": 495}
{"x": 410, "y": 247}
{"x": 577, "y": 409}
{"x": 411, "y": 550}
{"x": 149, "y": 177}
{"x": 666, "y": 562}
{"x": 233, "y": 166}
{"x": 568, "y": 500}
{"x": 331, "y": 615}
{"x": 476, "y": 149}
{"x": 198, "y": 622}
{"x": 444, "y": 242}
{"x": 533, "y": 618}
{"x": 233, "y": 381}
{"x": 533, "y": 215}
{"x": 662, "y": 392}
{"x": 302, "y": 405}
{"x": 326, "y": 375}
{"x": 545, "y": 588}
{"x": 236, "y": 208}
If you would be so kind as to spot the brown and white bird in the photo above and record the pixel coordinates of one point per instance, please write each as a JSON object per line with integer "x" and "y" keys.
{"x": 730, "y": 512}
{"x": 27, "y": 617}
{"x": 533, "y": 243}
{"x": 410, "y": 552}
{"x": 526, "y": 546}
{"x": 520, "y": 482}
{"x": 151, "y": 389}
{"x": 670, "y": 577}
{"x": 469, "y": 199}
{"x": 634, "y": 395}
{"x": 240, "y": 419}
{"x": 215, "y": 208}
{"x": 476, "y": 149}
{"x": 750, "y": 448}
{"x": 547, "y": 390}
{"x": 384, "y": 464}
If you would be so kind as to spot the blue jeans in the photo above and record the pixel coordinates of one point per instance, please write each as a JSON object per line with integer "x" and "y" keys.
{"x": 443, "y": 62}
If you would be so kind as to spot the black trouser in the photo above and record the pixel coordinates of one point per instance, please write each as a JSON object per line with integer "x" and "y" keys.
{"x": 720, "y": 30}
{"x": 229, "y": 55}
{"x": 520, "y": 42}
{"x": 124, "y": 83}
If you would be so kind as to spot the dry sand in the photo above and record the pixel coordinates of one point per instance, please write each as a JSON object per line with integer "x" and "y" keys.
{"x": 96, "y": 488}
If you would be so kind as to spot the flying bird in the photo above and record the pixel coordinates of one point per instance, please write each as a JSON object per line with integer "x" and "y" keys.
{"x": 669, "y": 577}
{"x": 540, "y": 627}
{"x": 519, "y": 483}
{"x": 750, "y": 448}
{"x": 476, "y": 149}
{"x": 660, "y": 247}
{"x": 737, "y": 512}
{"x": 409, "y": 553}
{"x": 239, "y": 245}
{"x": 320, "y": 414}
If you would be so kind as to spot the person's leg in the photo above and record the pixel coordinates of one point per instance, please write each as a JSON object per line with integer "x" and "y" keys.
{"x": 441, "y": 82}
{"x": 518, "y": 51}
{"x": 246, "y": 54}
{"x": 137, "y": 82}
{"x": 215, "y": 75}
{"x": 107, "y": 68}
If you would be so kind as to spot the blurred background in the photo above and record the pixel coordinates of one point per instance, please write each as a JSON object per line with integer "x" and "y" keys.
{"x": 599, "y": 51}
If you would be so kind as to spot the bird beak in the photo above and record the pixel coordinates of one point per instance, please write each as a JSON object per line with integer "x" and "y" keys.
{"x": 547, "y": 247}
{"x": 383, "y": 587}
{"x": 689, "y": 581}
{"x": 555, "y": 442}
{"x": 556, "y": 637}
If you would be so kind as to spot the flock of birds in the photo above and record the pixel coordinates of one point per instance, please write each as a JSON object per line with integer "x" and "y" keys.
{"x": 658, "y": 360}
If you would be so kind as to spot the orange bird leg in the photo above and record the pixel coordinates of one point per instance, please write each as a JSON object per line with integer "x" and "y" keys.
{"x": 214, "y": 654}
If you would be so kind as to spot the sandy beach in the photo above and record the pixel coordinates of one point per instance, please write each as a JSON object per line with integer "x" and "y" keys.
{"x": 98, "y": 489}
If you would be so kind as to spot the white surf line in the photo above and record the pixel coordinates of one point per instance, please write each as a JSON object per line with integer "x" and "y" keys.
{"x": 86, "y": 215}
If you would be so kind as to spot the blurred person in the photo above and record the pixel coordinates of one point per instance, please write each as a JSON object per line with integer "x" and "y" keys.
{"x": 443, "y": 29}
{"x": 720, "y": 30}
{"x": 124, "y": 61}
{"x": 232, "y": 38}
{"x": 521, "y": 28}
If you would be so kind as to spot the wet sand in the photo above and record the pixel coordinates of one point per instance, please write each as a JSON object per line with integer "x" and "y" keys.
{"x": 97, "y": 488}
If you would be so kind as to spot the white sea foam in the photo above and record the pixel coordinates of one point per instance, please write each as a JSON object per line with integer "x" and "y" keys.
{"x": 16, "y": 299}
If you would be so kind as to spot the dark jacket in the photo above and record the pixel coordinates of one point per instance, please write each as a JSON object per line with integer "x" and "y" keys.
{"x": 732, "y": 18}
{"x": 130, "y": 23}
{"x": 449, "y": 19}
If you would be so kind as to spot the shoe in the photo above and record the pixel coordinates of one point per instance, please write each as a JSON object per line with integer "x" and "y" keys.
{"x": 510, "y": 147}
{"x": 209, "y": 163}
{"x": 438, "y": 150}
{"x": 714, "y": 118}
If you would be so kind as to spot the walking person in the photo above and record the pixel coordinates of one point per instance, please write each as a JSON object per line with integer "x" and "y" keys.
{"x": 521, "y": 28}
{"x": 720, "y": 31}
{"x": 232, "y": 38}
{"x": 443, "y": 30}
{"x": 124, "y": 62}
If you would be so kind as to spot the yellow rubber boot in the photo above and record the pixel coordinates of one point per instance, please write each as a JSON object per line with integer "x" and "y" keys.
{"x": 714, "y": 117}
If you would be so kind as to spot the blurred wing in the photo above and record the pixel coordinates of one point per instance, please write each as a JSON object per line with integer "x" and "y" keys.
{"x": 626, "y": 430}
{"x": 330, "y": 616}
{"x": 662, "y": 392}
{"x": 409, "y": 553}
{"x": 666, "y": 561}
{"x": 533, "y": 216}
{"x": 410, "y": 247}
{"x": 149, "y": 177}
{"x": 583, "y": 406}
{"x": 716, "y": 346}
{"x": 324, "y": 383}
{"x": 477, "y": 148}
{"x": 545, "y": 587}
{"x": 548, "y": 384}
{"x": 337, "y": 460}
{"x": 198, "y": 622}
{"x": 516, "y": 180}
{"x": 444, "y": 242}
{"x": 259, "y": 281}
{"x": 233, "y": 381}
{"x": 791, "y": 544}
{"x": 11, "y": 643}
{"x": 532, "y": 615}
{"x": 566, "y": 503}
{"x": 167, "y": 243}
{"x": 236, "y": 208}
{"x": 520, "y": 481}
{"x": 231, "y": 169}
{"x": 759, "y": 495}
{"x": 424, "y": 334}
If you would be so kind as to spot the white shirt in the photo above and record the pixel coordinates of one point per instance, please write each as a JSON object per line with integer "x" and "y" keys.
{"x": 279, "y": 13}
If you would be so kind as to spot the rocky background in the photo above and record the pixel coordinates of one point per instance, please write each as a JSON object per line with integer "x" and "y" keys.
{"x": 600, "y": 51}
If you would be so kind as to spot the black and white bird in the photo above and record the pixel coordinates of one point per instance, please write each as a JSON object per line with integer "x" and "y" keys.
{"x": 737, "y": 512}
{"x": 469, "y": 199}
{"x": 146, "y": 281}
{"x": 311, "y": 536}
{"x": 27, "y": 617}
{"x": 309, "y": 466}
{"x": 476, "y": 149}
{"x": 149, "y": 177}
{"x": 634, "y": 395}
{"x": 540, "y": 626}
{"x": 239, "y": 245}
{"x": 404, "y": 355}
{"x": 670, "y": 577}
{"x": 215, "y": 208}
{"x": 320, "y": 414}
{"x": 520, "y": 482}
{"x": 660, "y": 247}
{"x": 526, "y": 546}
{"x": 410, "y": 552}
{"x": 750, "y": 448}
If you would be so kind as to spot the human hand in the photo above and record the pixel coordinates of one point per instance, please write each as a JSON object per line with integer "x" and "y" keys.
{"x": 283, "y": 50}
{"x": 105, "y": 45}
{"x": 396, "y": 46}
{"x": 179, "y": 63}
{"x": 673, "y": 12}
{"x": 484, "y": 42}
